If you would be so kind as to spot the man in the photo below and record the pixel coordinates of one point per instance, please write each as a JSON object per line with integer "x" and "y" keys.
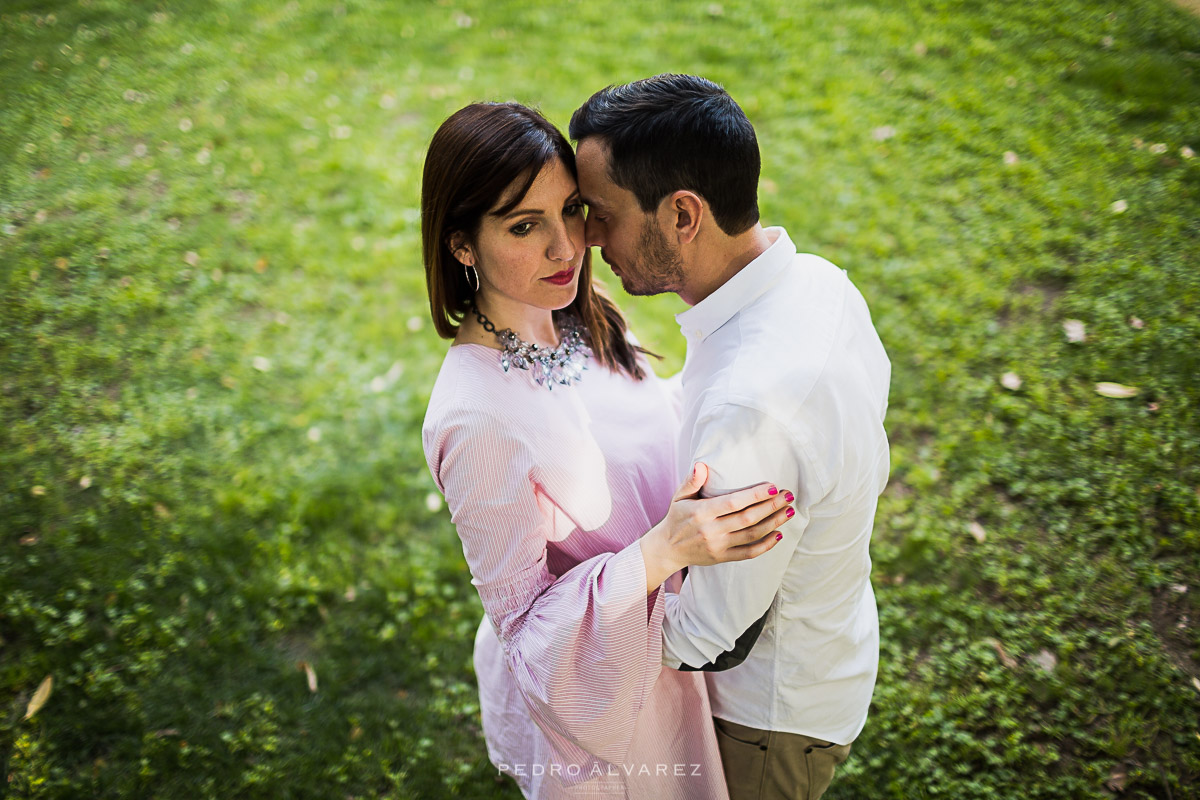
{"x": 785, "y": 378}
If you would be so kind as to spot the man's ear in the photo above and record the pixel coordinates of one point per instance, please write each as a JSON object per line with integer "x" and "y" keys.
{"x": 457, "y": 244}
{"x": 686, "y": 210}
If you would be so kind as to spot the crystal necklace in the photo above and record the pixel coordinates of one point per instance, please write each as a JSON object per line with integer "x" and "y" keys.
{"x": 563, "y": 365}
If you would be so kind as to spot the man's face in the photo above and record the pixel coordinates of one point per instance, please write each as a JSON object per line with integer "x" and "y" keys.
{"x": 631, "y": 241}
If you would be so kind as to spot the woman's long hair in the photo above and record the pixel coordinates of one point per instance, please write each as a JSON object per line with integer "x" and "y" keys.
{"x": 474, "y": 157}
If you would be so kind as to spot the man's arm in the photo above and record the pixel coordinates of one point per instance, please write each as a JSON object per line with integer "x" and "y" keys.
{"x": 716, "y": 617}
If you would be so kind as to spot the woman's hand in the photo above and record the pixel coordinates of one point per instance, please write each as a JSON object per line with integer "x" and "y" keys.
{"x": 700, "y": 532}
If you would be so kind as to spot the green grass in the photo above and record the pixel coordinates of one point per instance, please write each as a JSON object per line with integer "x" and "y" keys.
{"x": 215, "y": 357}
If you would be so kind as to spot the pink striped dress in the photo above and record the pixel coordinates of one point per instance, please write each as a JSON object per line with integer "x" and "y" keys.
{"x": 550, "y": 492}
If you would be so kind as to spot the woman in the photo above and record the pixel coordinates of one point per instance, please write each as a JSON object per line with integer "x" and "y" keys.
{"x": 562, "y": 498}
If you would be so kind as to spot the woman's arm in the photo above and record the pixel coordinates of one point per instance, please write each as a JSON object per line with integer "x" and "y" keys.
{"x": 581, "y": 647}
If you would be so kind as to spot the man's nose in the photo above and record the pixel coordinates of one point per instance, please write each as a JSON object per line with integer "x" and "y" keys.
{"x": 593, "y": 232}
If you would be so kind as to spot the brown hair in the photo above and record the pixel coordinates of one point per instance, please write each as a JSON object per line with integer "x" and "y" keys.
{"x": 476, "y": 154}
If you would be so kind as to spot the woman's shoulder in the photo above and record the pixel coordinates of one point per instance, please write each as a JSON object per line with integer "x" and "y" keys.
{"x": 468, "y": 376}
{"x": 472, "y": 388}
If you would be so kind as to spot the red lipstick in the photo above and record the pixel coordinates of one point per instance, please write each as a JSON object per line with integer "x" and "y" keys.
{"x": 561, "y": 278}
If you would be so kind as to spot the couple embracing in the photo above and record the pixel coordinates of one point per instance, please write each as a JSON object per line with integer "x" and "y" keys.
{"x": 642, "y": 638}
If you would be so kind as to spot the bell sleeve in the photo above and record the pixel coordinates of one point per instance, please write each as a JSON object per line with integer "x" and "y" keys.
{"x": 584, "y": 647}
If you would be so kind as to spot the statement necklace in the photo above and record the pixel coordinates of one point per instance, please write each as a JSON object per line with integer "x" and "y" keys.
{"x": 563, "y": 365}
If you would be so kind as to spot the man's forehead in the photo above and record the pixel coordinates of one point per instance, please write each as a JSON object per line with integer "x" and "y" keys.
{"x": 595, "y": 184}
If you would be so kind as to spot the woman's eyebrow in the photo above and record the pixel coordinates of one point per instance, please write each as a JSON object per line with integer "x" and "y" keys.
{"x": 518, "y": 212}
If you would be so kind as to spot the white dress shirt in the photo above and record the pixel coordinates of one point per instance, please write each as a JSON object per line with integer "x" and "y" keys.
{"x": 786, "y": 381}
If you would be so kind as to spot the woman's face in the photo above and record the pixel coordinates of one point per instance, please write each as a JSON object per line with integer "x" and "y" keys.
{"x": 531, "y": 256}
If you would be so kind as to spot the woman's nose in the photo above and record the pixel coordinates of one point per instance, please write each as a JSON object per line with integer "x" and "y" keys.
{"x": 563, "y": 247}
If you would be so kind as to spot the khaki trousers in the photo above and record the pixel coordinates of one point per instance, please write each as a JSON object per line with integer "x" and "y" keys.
{"x": 773, "y": 765}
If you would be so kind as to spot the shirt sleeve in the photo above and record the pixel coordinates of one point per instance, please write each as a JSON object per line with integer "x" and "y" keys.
{"x": 584, "y": 648}
{"x": 718, "y": 604}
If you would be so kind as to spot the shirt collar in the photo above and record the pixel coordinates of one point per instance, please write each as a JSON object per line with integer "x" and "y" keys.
{"x": 702, "y": 319}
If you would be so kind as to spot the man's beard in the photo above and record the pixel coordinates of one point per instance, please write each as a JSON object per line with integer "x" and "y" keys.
{"x": 658, "y": 267}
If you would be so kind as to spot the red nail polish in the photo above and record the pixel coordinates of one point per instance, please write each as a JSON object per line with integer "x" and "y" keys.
{"x": 772, "y": 491}
{"x": 791, "y": 498}
{"x": 778, "y": 536}
{"x": 791, "y": 512}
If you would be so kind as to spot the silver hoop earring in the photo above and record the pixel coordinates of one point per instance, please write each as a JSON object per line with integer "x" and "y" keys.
{"x": 469, "y": 271}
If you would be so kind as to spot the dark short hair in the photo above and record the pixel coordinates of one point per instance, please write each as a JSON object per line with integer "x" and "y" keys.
{"x": 673, "y": 132}
{"x": 480, "y": 153}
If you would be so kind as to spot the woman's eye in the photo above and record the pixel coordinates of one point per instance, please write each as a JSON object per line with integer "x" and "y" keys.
{"x": 521, "y": 229}
{"x": 573, "y": 210}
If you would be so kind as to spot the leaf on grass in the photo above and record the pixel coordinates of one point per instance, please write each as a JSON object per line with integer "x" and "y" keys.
{"x": 1075, "y": 329}
{"x": 1002, "y": 654}
{"x": 1011, "y": 381}
{"x": 1116, "y": 390}
{"x": 1046, "y": 660}
{"x": 40, "y": 696}
{"x": 977, "y": 531}
{"x": 1196, "y": 683}
{"x": 310, "y": 675}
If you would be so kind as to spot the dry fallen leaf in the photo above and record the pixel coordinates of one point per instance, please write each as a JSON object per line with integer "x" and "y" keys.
{"x": 1011, "y": 381}
{"x": 1117, "y": 390}
{"x": 310, "y": 674}
{"x": 1005, "y": 658}
{"x": 40, "y": 696}
{"x": 1116, "y": 779}
{"x": 977, "y": 531}
{"x": 1075, "y": 330}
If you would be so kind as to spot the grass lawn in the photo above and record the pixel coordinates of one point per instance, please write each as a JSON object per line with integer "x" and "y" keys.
{"x": 218, "y": 535}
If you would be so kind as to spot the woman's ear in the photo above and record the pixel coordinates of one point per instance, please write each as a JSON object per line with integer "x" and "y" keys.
{"x": 457, "y": 243}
